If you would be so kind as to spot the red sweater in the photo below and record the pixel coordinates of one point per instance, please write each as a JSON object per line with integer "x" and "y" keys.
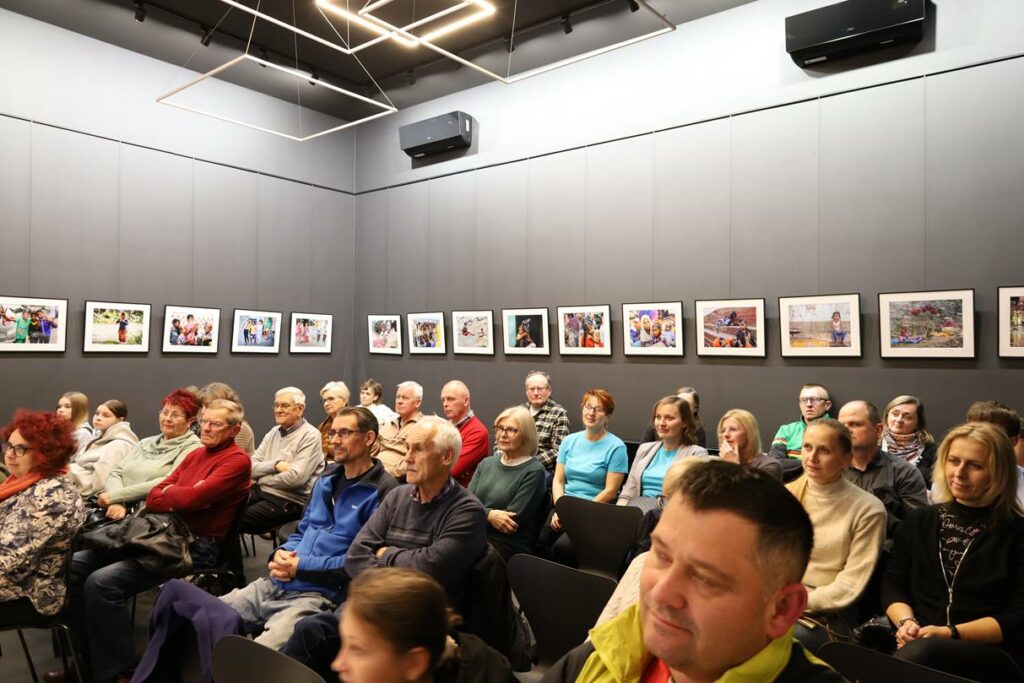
{"x": 207, "y": 489}
{"x": 475, "y": 445}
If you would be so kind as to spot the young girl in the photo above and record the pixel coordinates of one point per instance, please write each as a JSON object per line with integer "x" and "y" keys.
{"x": 838, "y": 333}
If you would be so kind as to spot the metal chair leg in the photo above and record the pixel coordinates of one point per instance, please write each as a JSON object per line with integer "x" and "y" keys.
{"x": 63, "y": 629}
{"x": 28, "y": 657}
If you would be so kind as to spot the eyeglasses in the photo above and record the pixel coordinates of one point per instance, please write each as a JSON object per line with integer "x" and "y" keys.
{"x": 506, "y": 431}
{"x": 213, "y": 424}
{"x": 284, "y": 406}
{"x": 597, "y": 410}
{"x": 812, "y": 400}
{"x": 343, "y": 433}
{"x": 172, "y": 415}
{"x": 19, "y": 449}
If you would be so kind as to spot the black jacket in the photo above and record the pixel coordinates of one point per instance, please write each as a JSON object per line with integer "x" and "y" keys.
{"x": 477, "y": 663}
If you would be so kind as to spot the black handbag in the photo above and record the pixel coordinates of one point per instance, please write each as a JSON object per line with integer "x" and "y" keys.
{"x": 159, "y": 541}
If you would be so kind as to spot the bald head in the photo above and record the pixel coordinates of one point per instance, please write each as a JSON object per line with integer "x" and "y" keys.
{"x": 455, "y": 400}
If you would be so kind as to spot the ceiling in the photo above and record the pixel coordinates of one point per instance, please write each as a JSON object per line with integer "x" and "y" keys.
{"x": 172, "y": 32}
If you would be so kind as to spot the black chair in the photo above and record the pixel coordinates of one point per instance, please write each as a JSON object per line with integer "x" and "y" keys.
{"x": 631, "y": 449}
{"x": 868, "y": 666}
{"x": 560, "y": 603}
{"x": 229, "y": 572}
{"x": 601, "y": 533}
{"x": 240, "y": 660}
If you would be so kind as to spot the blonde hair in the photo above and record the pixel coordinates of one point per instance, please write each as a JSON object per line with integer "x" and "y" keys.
{"x": 674, "y": 477}
{"x": 1002, "y": 491}
{"x": 336, "y": 387}
{"x": 234, "y": 411}
{"x": 923, "y": 435}
{"x": 749, "y": 424}
{"x": 523, "y": 421}
{"x": 79, "y": 408}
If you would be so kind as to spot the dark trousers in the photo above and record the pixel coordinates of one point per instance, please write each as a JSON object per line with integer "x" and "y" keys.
{"x": 969, "y": 659}
{"x": 265, "y": 512}
{"x": 315, "y": 642}
{"x": 20, "y": 612}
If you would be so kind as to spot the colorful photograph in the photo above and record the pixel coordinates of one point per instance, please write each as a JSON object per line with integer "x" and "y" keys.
{"x": 936, "y": 324}
{"x": 1011, "y": 322}
{"x": 820, "y": 325}
{"x": 426, "y": 333}
{"x": 116, "y": 328}
{"x": 188, "y": 329}
{"x": 652, "y": 329}
{"x": 525, "y": 331}
{"x": 473, "y": 332}
{"x": 311, "y": 333}
{"x": 256, "y": 331}
{"x": 584, "y": 330}
{"x": 385, "y": 334}
{"x": 28, "y": 324}
{"x": 731, "y": 327}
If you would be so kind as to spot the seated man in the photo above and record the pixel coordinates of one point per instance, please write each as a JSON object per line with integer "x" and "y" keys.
{"x": 814, "y": 403}
{"x": 306, "y": 573}
{"x": 719, "y": 592}
{"x": 551, "y": 418}
{"x": 431, "y": 524}
{"x": 284, "y": 466}
{"x": 393, "y": 434}
{"x": 476, "y": 443}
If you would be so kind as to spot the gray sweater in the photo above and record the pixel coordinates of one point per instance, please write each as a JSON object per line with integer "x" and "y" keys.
{"x": 302, "y": 448}
{"x": 634, "y": 485}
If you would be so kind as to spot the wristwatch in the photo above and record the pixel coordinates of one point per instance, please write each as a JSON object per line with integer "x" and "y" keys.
{"x": 954, "y": 632}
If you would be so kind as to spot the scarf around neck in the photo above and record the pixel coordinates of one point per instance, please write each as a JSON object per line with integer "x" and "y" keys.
{"x": 906, "y": 447}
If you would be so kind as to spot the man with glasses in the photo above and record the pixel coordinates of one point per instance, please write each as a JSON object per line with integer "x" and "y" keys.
{"x": 551, "y": 419}
{"x": 284, "y": 467}
{"x": 475, "y": 441}
{"x": 787, "y": 445}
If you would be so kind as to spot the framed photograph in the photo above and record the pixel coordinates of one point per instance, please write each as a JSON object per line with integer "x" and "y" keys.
{"x": 824, "y": 326}
{"x": 311, "y": 333}
{"x": 426, "y": 333}
{"x": 525, "y": 331}
{"x": 585, "y": 330}
{"x": 1011, "y": 322}
{"x": 385, "y": 334}
{"x": 473, "y": 332}
{"x": 190, "y": 329}
{"x": 731, "y": 327}
{"x": 934, "y": 324}
{"x": 652, "y": 329}
{"x": 255, "y": 331}
{"x": 116, "y": 328}
{"x": 28, "y": 324}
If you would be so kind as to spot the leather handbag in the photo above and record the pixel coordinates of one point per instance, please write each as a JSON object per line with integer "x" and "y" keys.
{"x": 157, "y": 541}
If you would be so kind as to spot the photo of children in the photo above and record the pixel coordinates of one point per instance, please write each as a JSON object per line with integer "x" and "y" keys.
{"x": 384, "y": 334}
{"x": 1017, "y": 321}
{"x": 585, "y": 330}
{"x": 191, "y": 330}
{"x": 255, "y": 331}
{"x": 935, "y": 324}
{"x": 525, "y": 331}
{"x": 32, "y": 324}
{"x": 1011, "y": 322}
{"x": 730, "y": 327}
{"x": 819, "y": 325}
{"x": 311, "y": 333}
{"x": 114, "y": 327}
{"x": 471, "y": 332}
{"x": 652, "y": 329}
{"x": 426, "y": 333}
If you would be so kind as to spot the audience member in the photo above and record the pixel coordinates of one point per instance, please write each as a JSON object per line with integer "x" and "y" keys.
{"x": 814, "y": 403}
{"x": 153, "y": 458}
{"x": 551, "y": 419}
{"x": 246, "y": 439}
{"x": 906, "y": 435}
{"x": 74, "y": 407}
{"x": 113, "y": 441}
{"x": 334, "y": 396}
{"x": 954, "y": 585}
{"x": 739, "y": 441}
{"x": 690, "y": 395}
{"x": 894, "y": 481}
{"x": 510, "y": 485}
{"x": 40, "y": 511}
{"x": 719, "y": 592}
{"x": 370, "y": 393}
{"x": 284, "y": 467}
{"x": 849, "y": 529}
{"x": 475, "y": 441}
{"x": 677, "y": 438}
{"x": 394, "y": 433}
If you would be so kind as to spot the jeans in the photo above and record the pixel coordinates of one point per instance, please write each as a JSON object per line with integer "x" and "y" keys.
{"x": 316, "y": 642}
{"x": 273, "y": 612}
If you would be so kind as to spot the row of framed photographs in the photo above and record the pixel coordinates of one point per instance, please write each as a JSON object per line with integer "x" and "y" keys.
{"x": 32, "y": 324}
{"x": 924, "y": 324}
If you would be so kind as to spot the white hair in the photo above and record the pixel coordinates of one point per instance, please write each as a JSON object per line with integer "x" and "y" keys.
{"x": 339, "y": 387}
{"x": 417, "y": 390}
{"x": 294, "y": 392}
{"x": 444, "y": 435}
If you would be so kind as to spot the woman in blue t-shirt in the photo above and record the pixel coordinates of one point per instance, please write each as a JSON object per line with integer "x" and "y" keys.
{"x": 591, "y": 464}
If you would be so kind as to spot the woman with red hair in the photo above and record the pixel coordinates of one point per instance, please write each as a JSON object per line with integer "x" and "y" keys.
{"x": 40, "y": 511}
{"x": 153, "y": 458}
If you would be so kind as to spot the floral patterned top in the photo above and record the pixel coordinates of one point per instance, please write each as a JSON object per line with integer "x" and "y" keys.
{"x": 36, "y": 528}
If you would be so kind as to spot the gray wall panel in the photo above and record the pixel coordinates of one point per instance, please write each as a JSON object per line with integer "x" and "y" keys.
{"x": 452, "y": 246}
{"x": 370, "y": 246}
{"x": 501, "y": 236}
{"x": 333, "y": 270}
{"x": 408, "y": 243}
{"x": 284, "y": 243}
{"x": 556, "y": 215}
{"x": 16, "y": 200}
{"x": 155, "y": 254}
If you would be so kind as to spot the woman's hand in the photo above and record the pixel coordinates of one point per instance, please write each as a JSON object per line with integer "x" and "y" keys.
{"x": 103, "y": 499}
{"x": 503, "y": 520}
{"x": 556, "y": 524}
{"x": 937, "y": 632}
{"x": 727, "y": 452}
{"x": 910, "y": 630}
{"x": 116, "y": 512}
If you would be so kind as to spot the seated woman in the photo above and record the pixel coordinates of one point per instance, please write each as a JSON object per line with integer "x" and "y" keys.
{"x": 40, "y": 511}
{"x": 739, "y": 440}
{"x": 591, "y": 464}
{"x": 370, "y": 393}
{"x": 153, "y": 458}
{"x": 335, "y": 396}
{"x": 690, "y": 395}
{"x": 849, "y": 528}
{"x": 906, "y": 435}
{"x": 112, "y": 444}
{"x": 511, "y": 485}
{"x": 214, "y": 391}
{"x": 677, "y": 434}
{"x": 954, "y": 585}
{"x": 397, "y": 626}
{"x": 74, "y": 407}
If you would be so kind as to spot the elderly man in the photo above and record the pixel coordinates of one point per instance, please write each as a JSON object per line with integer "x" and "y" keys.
{"x": 719, "y": 592}
{"x": 475, "y": 440}
{"x": 431, "y": 524}
{"x": 894, "y": 481}
{"x": 393, "y": 433}
{"x": 551, "y": 419}
{"x": 284, "y": 466}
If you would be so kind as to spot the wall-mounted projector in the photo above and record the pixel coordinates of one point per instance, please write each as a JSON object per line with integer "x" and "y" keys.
{"x": 852, "y": 27}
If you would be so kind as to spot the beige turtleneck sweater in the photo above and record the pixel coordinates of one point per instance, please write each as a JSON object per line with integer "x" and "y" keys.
{"x": 849, "y": 529}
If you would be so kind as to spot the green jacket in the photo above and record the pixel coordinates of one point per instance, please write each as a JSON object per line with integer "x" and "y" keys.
{"x": 789, "y": 440}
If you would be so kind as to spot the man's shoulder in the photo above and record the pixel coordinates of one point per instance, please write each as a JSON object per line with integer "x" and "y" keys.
{"x": 556, "y": 408}
{"x": 805, "y": 667}
{"x": 791, "y": 427}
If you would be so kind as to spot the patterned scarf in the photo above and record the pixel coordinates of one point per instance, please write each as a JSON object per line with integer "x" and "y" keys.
{"x": 906, "y": 447}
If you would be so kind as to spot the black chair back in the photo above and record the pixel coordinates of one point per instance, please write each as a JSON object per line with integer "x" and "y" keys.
{"x": 868, "y": 666}
{"x": 601, "y": 533}
{"x": 560, "y": 603}
{"x": 631, "y": 449}
{"x": 240, "y": 660}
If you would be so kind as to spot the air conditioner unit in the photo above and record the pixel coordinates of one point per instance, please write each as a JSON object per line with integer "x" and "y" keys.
{"x": 852, "y": 27}
{"x": 437, "y": 135}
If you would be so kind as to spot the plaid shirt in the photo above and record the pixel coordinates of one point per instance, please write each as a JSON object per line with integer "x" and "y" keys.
{"x": 552, "y": 426}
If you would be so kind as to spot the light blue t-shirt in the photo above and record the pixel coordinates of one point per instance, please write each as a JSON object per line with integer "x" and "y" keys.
{"x": 588, "y": 463}
{"x": 653, "y": 478}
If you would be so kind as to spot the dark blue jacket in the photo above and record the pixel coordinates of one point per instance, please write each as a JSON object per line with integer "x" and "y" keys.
{"x": 327, "y": 529}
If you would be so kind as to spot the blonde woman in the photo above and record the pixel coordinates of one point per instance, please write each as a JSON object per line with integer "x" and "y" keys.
{"x": 74, "y": 407}
{"x": 739, "y": 440}
{"x": 906, "y": 435}
{"x": 335, "y": 396}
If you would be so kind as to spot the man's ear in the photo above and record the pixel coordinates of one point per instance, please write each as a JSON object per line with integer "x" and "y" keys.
{"x": 784, "y": 608}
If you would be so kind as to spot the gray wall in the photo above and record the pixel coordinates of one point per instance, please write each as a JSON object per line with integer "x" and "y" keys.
{"x": 913, "y": 185}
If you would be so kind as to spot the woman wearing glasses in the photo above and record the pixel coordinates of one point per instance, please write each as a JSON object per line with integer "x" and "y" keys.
{"x": 511, "y": 485}
{"x": 40, "y": 511}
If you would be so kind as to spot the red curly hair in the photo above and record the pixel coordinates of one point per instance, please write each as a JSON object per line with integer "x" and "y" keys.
{"x": 49, "y": 434}
{"x": 184, "y": 400}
